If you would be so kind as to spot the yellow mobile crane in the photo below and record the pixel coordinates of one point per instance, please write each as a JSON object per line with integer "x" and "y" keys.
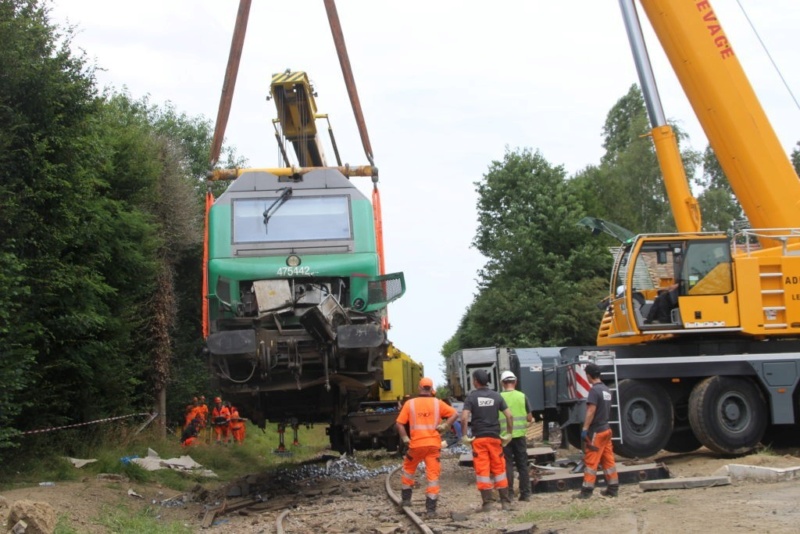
{"x": 725, "y": 287}
{"x": 722, "y": 369}
{"x": 728, "y": 358}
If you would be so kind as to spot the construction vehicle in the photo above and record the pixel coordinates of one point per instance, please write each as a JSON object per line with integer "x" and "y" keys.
{"x": 372, "y": 426}
{"x": 295, "y": 288}
{"x": 721, "y": 368}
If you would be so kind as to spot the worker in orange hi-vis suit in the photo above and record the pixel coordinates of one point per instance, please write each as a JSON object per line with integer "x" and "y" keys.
{"x": 192, "y": 411}
{"x": 202, "y": 411}
{"x": 220, "y": 420}
{"x": 596, "y": 438}
{"x": 424, "y": 416}
{"x": 189, "y": 436}
{"x": 237, "y": 426}
{"x": 188, "y": 415}
{"x": 484, "y": 406}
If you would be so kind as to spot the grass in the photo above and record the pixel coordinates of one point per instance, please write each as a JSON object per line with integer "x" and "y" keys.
{"x": 41, "y": 462}
{"x": 122, "y": 520}
{"x": 228, "y": 462}
{"x": 573, "y": 512}
{"x": 766, "y": 450}
{"x": 63, "y": 526}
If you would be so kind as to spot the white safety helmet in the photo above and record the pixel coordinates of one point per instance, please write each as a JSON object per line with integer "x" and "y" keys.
{"x": 508, "y": 376}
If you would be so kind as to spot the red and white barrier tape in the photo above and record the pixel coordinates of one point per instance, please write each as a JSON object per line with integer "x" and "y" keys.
{"x": 107, "y": 419}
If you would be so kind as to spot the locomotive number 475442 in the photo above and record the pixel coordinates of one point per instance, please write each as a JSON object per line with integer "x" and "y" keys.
{"x": 300, "y": 270}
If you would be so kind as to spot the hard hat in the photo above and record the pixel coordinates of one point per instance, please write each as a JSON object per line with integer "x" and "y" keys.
{"x": 426, "y": 383}
{"x": 508, "y": 376}
{"x": 217, "y": 400}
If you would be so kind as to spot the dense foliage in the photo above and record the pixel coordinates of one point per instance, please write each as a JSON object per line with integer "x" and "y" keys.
{"x": 100, "y": 238}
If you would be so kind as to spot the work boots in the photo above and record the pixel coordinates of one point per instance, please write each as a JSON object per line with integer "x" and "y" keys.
{"x": 611, "y": 491}
{"x": 430, "y": 508}
{"x": 488, "y": 501}
{"x": 586, "y": 493}
{"x": 505, "y": 499}
{"x": 406, "y": 497}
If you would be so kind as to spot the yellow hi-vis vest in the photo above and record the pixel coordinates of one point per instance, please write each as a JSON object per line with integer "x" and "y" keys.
{"x": 516, "y": 403}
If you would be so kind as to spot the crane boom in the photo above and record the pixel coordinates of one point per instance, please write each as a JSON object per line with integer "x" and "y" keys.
{"x": 759, "y": 171}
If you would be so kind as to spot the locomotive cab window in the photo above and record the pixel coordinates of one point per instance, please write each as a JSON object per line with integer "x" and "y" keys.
{"x": 297, "y": 219}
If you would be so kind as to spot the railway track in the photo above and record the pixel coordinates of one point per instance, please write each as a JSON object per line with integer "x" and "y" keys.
{"x": 392, "y": 496}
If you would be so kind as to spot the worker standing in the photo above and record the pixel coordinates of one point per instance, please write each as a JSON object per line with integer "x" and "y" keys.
{"x": 485, "y": 406}
{"x": 424, "y": 416}
{"x": 237, "y": 426}
{"x": 596, "y": 438}
{"x": 202, "y": 411}
{"x": 189, "y": 414}
{"x": 220, "y": 419}
{"x": 516, "y": 452}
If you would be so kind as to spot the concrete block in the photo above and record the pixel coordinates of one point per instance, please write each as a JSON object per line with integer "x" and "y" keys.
{"x": 685, "y": 483}
{"x": 756, "y": 472}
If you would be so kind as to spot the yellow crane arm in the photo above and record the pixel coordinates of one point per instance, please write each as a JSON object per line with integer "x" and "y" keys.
{"x": 759, "y": 171}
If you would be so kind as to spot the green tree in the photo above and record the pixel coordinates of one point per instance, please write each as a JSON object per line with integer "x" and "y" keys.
{"x": 100, "y": 231}
{"x": 82, "y": 254}
{"x": 627, "y": 186}
{"x": 718, "y": 204}
{"x": 544, "y": 273}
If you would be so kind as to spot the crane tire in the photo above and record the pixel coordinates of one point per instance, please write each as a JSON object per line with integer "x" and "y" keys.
{"x": 728, "y": 414}
{"x": 646, "y": 417}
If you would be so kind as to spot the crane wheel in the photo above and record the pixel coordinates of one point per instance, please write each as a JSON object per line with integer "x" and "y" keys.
{"x": 646, "y": 416}
{"x": 728, "y": 414}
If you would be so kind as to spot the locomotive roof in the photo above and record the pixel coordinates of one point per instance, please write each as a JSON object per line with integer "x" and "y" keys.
{"x": 321, "y": 179}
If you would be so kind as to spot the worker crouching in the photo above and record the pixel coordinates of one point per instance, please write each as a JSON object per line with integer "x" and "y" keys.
{"x": 596, "y": 438}
{"x": 485, "y": 406}
{"x": 424, "y": 416}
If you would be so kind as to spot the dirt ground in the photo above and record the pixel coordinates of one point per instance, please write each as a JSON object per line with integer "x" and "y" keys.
{"x": 361, "y": 506}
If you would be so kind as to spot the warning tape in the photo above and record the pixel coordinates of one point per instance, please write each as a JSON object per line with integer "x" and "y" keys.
{"x": 76, "y": 425}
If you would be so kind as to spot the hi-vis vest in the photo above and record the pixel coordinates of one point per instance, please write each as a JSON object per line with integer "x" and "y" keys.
{"x": 422, "y": 420}
{"x": 516, "y": 403}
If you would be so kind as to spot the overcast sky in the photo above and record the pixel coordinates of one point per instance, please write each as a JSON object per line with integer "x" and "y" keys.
{"x": 445, "y": 87}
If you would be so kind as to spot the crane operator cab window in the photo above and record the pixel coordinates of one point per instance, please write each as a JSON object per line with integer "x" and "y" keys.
{"x": 707, "y": 269}
{"x": 656, "y": 268}
{"x": 679, "y": 272}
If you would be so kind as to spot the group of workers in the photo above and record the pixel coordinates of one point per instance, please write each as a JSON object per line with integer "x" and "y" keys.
{"x": 496, "y": 451}
{"x": 224, "y": 419}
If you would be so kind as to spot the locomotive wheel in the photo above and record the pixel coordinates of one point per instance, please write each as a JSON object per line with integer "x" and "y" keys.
{"x": 682, "y": 440}
{"x": 728, "y": 415}
{"x": 646, "y": 416}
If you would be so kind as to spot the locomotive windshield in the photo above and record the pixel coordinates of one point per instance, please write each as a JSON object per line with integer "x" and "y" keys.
{"x": 298, "y": 219}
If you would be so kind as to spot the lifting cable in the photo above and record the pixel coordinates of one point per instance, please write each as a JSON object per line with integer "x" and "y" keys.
{"x": 229, "y": 83}
{"x": 764, "y": 46}
{"x": 347, "y": 73}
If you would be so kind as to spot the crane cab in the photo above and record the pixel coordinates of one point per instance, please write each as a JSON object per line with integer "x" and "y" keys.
{"x": 668, "y": 284}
